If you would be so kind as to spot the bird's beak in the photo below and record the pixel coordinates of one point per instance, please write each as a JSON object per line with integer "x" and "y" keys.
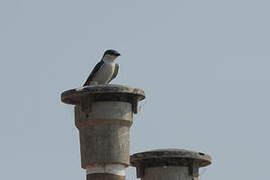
{"x": 118, "y": 54}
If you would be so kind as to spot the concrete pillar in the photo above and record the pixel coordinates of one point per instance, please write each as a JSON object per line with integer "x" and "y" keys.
{"x": 169, "y": 164}
{"x": 103, "y": 116}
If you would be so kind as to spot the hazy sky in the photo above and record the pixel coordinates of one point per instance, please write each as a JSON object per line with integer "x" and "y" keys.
{"x": 204, "y": 66}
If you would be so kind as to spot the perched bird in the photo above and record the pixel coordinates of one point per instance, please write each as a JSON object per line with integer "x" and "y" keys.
{"x": 104, "y": 71}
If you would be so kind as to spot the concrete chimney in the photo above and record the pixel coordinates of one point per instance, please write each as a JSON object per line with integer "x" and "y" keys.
{"x": 103, "y": 116}
{"x": 169, "y": 164}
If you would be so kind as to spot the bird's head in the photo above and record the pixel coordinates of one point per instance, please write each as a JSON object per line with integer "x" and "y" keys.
{"x": 110, "y": 55}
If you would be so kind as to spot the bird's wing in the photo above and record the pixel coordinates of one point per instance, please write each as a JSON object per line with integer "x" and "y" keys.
{"x": 93, "y": 73}
{"x": 115, "y": 72}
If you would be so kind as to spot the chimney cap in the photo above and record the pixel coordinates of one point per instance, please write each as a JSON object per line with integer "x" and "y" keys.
{"x": 167, "y": 157}
{"x": 103, "y": 92}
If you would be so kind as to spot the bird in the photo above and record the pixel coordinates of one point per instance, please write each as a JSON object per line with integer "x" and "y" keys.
{"x": 105, "y": 70}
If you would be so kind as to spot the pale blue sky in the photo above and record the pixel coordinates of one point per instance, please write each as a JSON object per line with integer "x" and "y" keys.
{"x": 204, "y": 66}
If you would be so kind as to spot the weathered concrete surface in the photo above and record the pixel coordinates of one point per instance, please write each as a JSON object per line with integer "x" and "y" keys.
{"x": 167, "y": 173}
{"x": 104, "y": 177}
{"x": 103, "y": 112}
{"x": 103, "y": 116}
{"x": 173, "y": 164}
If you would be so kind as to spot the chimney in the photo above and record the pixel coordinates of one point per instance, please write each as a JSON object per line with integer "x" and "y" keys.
{"x": 169, "y": 164}
{"x": 103, "y": 116}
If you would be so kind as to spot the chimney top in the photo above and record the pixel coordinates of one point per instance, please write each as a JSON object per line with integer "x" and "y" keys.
{"x": 106, "y": 92}
{"x": 167, "y": 157}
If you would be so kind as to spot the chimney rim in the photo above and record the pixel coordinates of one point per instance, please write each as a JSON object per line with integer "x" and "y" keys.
{"x": 74, "y": 96}
{"x": 169, "y": 157}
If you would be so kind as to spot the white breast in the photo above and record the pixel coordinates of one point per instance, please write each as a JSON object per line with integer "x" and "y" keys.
{"x": 105, "y": 73}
